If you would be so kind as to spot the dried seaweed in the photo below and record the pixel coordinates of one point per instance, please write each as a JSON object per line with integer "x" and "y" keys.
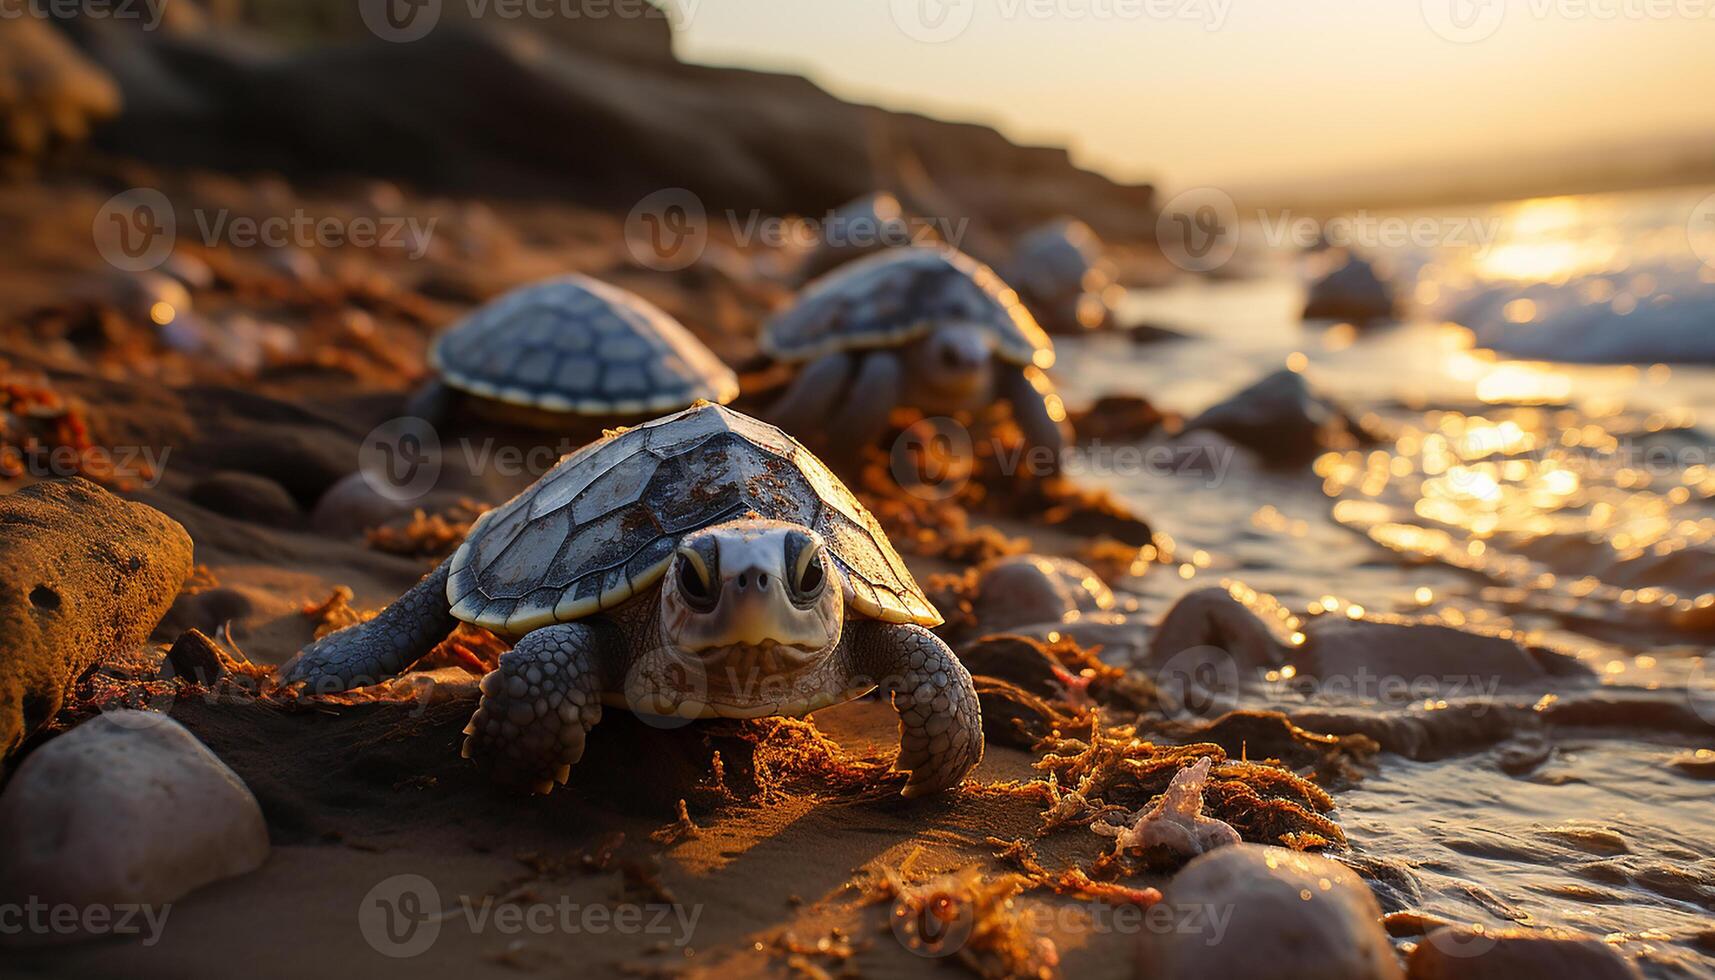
{"x": 428, "y": 535}
{"x": 972, "y": 918}
{"x": 45, "y": 434}
{"x": 792, "y": 754}
{"x": 681, "y": 829}
{"x": 1113, "y": 770}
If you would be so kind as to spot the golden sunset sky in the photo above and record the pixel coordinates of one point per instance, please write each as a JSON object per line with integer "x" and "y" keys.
{"x": 1250, "y": 92}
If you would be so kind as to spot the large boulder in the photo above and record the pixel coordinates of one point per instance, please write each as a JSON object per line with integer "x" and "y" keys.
{"x": 1287, "y": 916}
{"x": 87, "y": 576}
{"x": 127, "y": 809}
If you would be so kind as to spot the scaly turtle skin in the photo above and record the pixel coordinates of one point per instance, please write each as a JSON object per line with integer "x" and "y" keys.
{"x": 928, "y": 327}
{"x": 1059, "y": 272}
{"x": 572, "y": 346}
{"x": 701, "y": 565}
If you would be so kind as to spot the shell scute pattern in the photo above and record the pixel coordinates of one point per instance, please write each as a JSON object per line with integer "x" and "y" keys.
{"x": 896, "y": 296}
{"x": 601, "y": 525}
{"x": 577, "y": 344}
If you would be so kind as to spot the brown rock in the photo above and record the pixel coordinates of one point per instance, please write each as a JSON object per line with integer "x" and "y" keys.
{"x": 86, "y": 577}
{"x": 50, "y": 94}
{"x": 1464, "y": 953}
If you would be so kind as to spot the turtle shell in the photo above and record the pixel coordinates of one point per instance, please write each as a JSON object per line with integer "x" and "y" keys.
{"x": 896, "y": 296}
{"x": 1056, "y": 258}
{"x": 601, "y": 525}
{"x": 578, "y": 345}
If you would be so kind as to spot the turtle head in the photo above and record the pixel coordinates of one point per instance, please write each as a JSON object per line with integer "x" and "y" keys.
{"x": 754, "y": 591}
{"x": 954, "y": 365}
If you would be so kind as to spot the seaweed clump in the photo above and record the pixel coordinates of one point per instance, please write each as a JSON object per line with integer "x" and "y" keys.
{"x": 1111, "y": 770}
{"x": 428, "y": 535}
{"x": 44, "y": 434}
{"x": 792, "y": 754}
{"x": 973, "y": 918}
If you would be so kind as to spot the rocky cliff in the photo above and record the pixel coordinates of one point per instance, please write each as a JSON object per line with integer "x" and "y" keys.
{"x": 596, "y": 111}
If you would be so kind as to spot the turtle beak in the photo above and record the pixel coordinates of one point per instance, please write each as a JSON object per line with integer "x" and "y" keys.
{"x": 755, "y": 607}
{"x": 956, "y": 359}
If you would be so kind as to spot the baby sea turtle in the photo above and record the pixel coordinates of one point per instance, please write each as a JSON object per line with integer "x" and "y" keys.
{"x": 1061, "y": 274}
{"x": 855, "y": 229}
{"x": 571, "y": 346}
{"x": 927, "y": 327}
{"x": 701, "y": 565}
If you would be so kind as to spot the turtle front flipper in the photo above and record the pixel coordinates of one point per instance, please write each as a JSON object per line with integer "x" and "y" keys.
{"x": 812, "y": 396}
{"x": 1027, "y": 390}
{"x": 368, "y": 652}
{"x": 874, "y": 393}
{"x": 538, "y": 704}
{"x": 940, "y": 722}
{"x": 432, "y": 402}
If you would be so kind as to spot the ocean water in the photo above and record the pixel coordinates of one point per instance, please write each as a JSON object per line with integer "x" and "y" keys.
{"x": 1524, "y": 485}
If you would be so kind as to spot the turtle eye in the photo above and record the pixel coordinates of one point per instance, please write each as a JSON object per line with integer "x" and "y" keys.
{"x": 694, "y": 580}
{"x": 812, "y": 576}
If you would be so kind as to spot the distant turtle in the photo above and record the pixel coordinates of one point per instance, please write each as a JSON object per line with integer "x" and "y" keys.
{"x": 571, "y": 346}
{"x": 1059, "y": 272}
{"x": 700, "y": 565}
{"x": 855, "y": 229}
{"x": 928, "y": 327}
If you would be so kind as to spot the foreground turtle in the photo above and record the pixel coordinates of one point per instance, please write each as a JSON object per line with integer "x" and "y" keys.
{"x": 571, "y": 346}
{"x": 700, "y": 565}
{"x": 927, "y": 327}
